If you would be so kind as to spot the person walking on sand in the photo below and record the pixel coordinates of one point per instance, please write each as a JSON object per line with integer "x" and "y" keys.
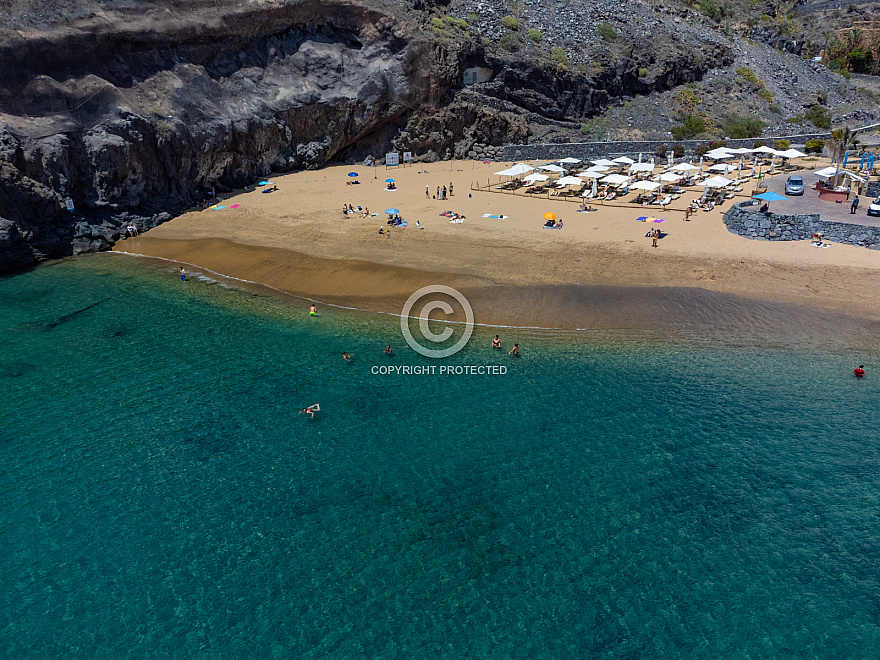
{"x": 496, "y": 343}
{"x": 450, "y": 188}
{"x": 427, "y": 193}
{"x": 514, "y": 351}
{"x": 855, "y": 205}
{"x": 438, "y": 193}
{"x": 182, "y": 274}
{"x": 654, "y": 236}
{"x": 313, "y": 311}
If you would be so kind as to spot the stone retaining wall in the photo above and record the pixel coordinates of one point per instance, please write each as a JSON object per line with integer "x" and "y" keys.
{"x": 873, "y": 189}
{"x": 746, "y": 220}
{"x": 591, "y": 150}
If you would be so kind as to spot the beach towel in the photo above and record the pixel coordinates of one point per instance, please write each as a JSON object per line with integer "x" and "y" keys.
{"x": 390, "y": 189}
{"x": 218, "y": 207}
{"x": 457, "y": 222}
{"x": 235, "y": 206}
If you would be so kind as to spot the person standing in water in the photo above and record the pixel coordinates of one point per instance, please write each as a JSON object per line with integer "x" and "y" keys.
{"x": 182, "y": 274}
{"x": 387, "y": 350}
{"x": 496, "y": 343}
{"x": 514, "y": 351}
{"x": 313, "y": 311}
{"x": 859, "y": 371}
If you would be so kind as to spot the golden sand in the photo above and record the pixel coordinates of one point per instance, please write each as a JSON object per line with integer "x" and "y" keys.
{"x": 298, "y": 240}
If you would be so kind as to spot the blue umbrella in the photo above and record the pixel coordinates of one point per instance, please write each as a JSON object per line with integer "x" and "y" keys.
{"x": 770, "y": 197}
{"x": 872, "y": 161}
{"x": 845, "y": 158}
{"x": 391, "y": 211}
{"x": 352, "y": 174}
{"x": 862, "y": 162}
{"x": 389, "y": 180}
{"x": 264, "y": 183}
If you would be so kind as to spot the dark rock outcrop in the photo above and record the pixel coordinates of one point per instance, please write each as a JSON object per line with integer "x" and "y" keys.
{"x": 135, "y": 113}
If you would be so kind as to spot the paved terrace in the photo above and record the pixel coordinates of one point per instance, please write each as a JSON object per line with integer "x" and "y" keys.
{"x": 810, "y": 202}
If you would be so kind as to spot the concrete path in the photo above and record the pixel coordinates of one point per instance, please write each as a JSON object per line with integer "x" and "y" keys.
{"x": 809, "y": 202}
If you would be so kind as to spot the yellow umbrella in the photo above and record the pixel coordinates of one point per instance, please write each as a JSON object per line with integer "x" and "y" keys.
{"x": 549, "y": 216}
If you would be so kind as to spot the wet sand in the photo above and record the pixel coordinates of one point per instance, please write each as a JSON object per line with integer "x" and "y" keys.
{"x": 598, "y": 272}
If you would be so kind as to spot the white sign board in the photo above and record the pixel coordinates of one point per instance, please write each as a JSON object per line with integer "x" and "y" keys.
{"x": 407, "y": 156}
{"x": 68, "y": 204}
{"x": 392, "y": 159}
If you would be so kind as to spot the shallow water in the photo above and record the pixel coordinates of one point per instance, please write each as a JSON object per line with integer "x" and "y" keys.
{"x": 609, "y": 496}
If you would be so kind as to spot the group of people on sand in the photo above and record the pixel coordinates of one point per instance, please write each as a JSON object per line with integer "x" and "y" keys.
{"x": 554, "y": 224}
{"x": 442, "y": 192}
{"x": 361, "y": 212}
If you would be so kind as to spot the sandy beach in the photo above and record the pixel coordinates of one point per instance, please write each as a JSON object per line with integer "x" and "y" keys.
{"x": 591, "y": 273}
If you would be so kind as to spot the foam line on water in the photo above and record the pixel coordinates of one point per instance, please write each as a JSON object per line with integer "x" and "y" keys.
{"x": 337, "y": 306}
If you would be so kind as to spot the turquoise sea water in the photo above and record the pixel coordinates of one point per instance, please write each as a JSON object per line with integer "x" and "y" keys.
{"x": 608, "y": 497}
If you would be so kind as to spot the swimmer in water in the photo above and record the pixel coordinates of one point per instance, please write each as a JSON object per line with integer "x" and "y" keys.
{"x": 514, "y": 350}
{"x": 496, "y": 343}
{"x": 311, "y": 410}
{"x": 859, "y": 371}
{"x": 346, "y": 356}
{"x": 182, "y": 274}
{"x": 313, "y": 311}
{"x": 387, "y": 350}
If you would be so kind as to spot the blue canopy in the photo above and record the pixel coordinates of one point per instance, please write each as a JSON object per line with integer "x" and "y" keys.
{"x": 389, "y": 180}
{"x": 352, "y": 174}
{"x": 770, "y": 197}
{"x": 264, "y": 183}
{"x": 392, "y": 211}
{"x": 845, "y": 158}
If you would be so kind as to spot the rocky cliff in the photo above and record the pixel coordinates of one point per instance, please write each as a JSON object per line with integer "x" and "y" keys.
{"x": 133, "y": 110}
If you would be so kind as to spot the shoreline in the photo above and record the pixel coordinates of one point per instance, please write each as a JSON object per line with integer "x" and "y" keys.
{"x": 686, "y": 313}
{"x": 297, "y": 241}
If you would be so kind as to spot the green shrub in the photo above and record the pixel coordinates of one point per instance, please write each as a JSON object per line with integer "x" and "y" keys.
{"x": 461, "y": 24}
{"x": 766, "y": 95}
{"x": 781, "y": 145}
{"x": 536, "y": 36}
{"x": 713, "y": 11}
{"x": 558, "y": 55}
{"x": 643, "y": 72}
{"x": 814, "y": 146}
{"x": 819, "y": 116}
{"x": 660, "y": 150}
{"x": 688, "y": 99}
{"x": 606, "y": 32}
{"x": 508, "y": 41}
{"x": 701, "y": 150}
{"x": 438, "y": 23}
{"x": 717, "y": 144}
{"x": 775, "y": 108}
{"x": 510, "y": 23}
{"x": 758, "y": 143}
{"x": 742, "y": 127}
{"x": 678, "y": 151}
{"x": 797, "y": 119}
{"x": 691, "y": 126}
{"x": 746, "y": 73}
